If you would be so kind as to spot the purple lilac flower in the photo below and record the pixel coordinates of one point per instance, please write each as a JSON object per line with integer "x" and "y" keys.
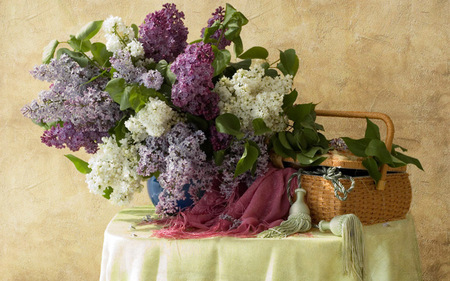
{"x": 229, "y": 183}
{"x": 218, "y": 15}
{"x": 94, "y": 111}
{"x": 66, "y": 75}
{"x": 67, "y": 135}
{"x": 163, "y": 34}
{"x": 122, "y": 63}
{"x": 86, "y": 111}
{"x": 152, "y": 79}
{"x": 180, "y": 160}
{"x": 338, "y": 144}
{"x": 152, "y": 156}
{"x": 219, "y": 140}
{"x": 192, "y": 91}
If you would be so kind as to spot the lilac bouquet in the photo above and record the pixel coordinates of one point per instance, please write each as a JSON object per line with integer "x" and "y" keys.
{"x": 148, "y": 103}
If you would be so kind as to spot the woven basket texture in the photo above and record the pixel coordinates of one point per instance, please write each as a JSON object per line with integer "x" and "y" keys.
{"x": 365, "y": 201}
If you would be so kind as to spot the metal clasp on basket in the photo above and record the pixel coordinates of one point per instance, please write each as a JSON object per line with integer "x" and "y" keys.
{"x": 332, "y": 174}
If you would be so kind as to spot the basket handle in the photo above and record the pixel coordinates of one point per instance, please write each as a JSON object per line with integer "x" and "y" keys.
{"x": 371, "y": 115}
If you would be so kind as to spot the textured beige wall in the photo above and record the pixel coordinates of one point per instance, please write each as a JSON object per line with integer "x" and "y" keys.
{"x": 388, "y": 56}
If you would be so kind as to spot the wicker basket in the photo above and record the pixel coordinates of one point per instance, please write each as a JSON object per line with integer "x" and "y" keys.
{"x": 389, "y": 200}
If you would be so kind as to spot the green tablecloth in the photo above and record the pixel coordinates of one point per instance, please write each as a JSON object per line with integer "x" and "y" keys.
{"x": 132, "y": 254}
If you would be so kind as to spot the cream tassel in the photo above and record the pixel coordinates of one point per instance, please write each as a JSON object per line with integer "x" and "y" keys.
{"x": 299, "y": 219}
{"x": 350, "y": 228}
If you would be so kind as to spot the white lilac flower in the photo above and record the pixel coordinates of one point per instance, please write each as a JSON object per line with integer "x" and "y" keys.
{"x": 115, "y": 166}
{"x": 250, "y": 95}
{"x": 155, "y": 119}
{"x": 111, "y": 24}
{"x": 113, "y": 43}
{"x": 119, "y": 36}
{"x": 135, "y": 48}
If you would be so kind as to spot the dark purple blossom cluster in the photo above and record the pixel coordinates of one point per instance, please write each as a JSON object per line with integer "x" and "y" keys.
{"x": 218, "y": 15}
{"x": 163, "y": 34}
{"x": 194, "y": 71}
{"x": 79, "y": 112}
{"x": 72, "y": 137}
{"x": 219, "y": 140}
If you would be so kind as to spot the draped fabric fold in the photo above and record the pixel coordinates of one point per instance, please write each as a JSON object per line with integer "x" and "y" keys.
{"x": 263, "y": 205}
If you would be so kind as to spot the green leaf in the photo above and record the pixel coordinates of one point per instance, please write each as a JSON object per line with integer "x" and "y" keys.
{"x": 292, "y": 140}
{"x": 260, "y": 127}
{"x": 311, "y": 136}
{"x": 107, "y": 192}
{"x": 255, "y": 53}
{"x": 115, "y": 88}
{"x": 49, "y": 51}
{"x": 229, "y": 124}
{"x": 135, "y": 30}
{"x": 309, "y": 161}
{"x": 80, "y": 165}
{"x": 357, "y": 147}
{"x": 233, "y": 26}
{"x": 244, "y": 64}
{"x": 289, "y": 62}
{"x": 219, "y": 156}
{"x": 139, "y": 96}
{"x": 164, "y": 68}
{"x": 79, "y": 45}
{"x": 372, "y": 130}
{"x": 289, "y": 100}
{"x": 80, "y": 58}
{"x": 89, "y": 30}
{"x": 299, "y": 112}
{"x": 280, "y": 149}
{"x": 409, "y": 160}
{"x": 48, "y": 126}
{"x": 221, "y": 59}
{"x": 119, "y": 131}
{"x": 238, "y": 46}
{"x": 394, "y": 146}
{"x": 196, "y": 41}
{"x": 248, "y": 159}
{"x": 323, "y": 142}
{"x": 209, "y": 31}
{"x": 229, "y": 13}
{"x": 281, "y": 67}
{"x": 199, "y": 122}
{"x": 284, "y": 141}
{"x": 313, "y": 151}
{"x": 300, "y": 140}
{"x": 101, "y": 54}
{"x": 372, "y": 167}
{"x": 271, "y": 73}
{"x": 125, "y": 98}
{"x": 377, "y": 148}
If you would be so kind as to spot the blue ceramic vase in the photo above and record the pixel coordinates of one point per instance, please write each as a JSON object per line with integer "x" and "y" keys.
{"x": 154, "y": 189}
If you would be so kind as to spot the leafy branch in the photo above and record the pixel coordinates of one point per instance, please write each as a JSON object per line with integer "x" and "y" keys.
{"x": 375, "y": 153}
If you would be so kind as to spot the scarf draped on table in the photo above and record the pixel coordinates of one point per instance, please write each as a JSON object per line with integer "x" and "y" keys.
{"x": 263, "y": 205}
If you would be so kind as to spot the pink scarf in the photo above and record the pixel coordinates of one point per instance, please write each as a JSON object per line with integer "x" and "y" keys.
{"x": 262, "y": 206}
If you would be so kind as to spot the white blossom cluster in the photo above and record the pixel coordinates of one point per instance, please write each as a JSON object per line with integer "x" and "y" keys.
{"x": 250, "y": 95}
{"x": 119, "y": 36}
{"x": 155, "y": 119}
{"x": 115, "y": 166}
